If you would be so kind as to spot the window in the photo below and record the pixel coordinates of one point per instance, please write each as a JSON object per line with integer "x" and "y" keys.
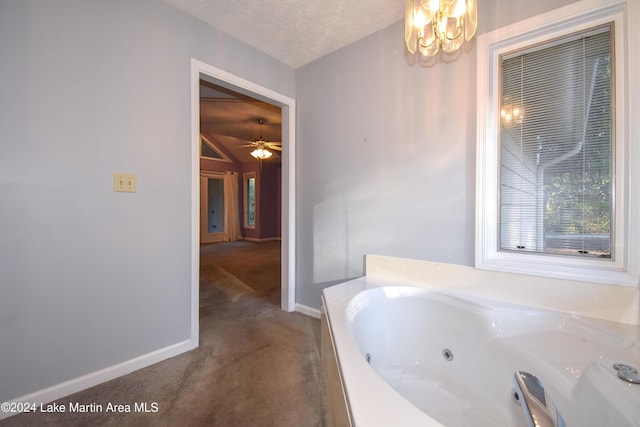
{"x": 250, "y": 200}
{"x": 551, "y": 189}
{"x": 556, "y": 143}
{"x": 209, "y": 150}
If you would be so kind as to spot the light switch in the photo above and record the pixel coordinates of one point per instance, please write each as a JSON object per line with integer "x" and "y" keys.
{"x": 125, "y": 182}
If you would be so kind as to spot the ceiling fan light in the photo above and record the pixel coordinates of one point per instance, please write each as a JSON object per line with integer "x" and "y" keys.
{"x": 261, "y": 153}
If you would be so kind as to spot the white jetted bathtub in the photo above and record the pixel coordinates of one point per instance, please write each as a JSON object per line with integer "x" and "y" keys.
{"x": 405, "y": 356}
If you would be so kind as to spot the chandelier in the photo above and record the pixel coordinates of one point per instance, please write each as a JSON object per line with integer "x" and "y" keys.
{"x": 434, "y": 25}
{"x": 511, "y": 115}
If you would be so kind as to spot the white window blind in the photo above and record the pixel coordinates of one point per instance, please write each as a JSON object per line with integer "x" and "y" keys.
{"x": 556, "y": 147}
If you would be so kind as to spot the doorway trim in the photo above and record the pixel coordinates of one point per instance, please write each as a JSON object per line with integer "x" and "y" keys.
{"x": 223, "y": 78}
{"x": 205, "y": 235}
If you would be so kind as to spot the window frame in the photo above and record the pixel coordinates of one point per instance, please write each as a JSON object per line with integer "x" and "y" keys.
{"x": 552, "y": 25}
{"x": 214, "y": 148}
{"x": 245, "y": 182}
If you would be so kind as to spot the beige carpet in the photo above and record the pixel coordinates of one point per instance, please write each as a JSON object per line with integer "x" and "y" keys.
{"x": 256, "y": 365}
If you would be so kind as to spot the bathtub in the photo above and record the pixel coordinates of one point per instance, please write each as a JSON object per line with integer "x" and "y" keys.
{"x": 412, "y": 356}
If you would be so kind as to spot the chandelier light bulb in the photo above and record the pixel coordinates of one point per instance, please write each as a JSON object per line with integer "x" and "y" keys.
{"x": 419, "y": 19}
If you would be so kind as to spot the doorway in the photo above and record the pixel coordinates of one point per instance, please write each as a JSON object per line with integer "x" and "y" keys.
{"x": 212, "y": 207}
{"x": 200, "y": 70}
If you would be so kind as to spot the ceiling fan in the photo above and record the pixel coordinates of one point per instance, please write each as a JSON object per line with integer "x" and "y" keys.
{"x": 262, "y": 146}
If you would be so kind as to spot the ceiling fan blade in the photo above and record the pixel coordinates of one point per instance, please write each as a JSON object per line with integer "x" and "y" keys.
{"x": 274, "y": 147}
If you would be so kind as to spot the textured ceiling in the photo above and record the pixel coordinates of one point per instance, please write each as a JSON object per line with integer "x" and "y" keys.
{"x": 296, "y": 31}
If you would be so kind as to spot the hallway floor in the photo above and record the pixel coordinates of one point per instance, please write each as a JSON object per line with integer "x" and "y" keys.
{"x": 256, "y": 364}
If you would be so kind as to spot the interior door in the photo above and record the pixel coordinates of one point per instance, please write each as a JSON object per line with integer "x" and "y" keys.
{"x": 212, "y": 225}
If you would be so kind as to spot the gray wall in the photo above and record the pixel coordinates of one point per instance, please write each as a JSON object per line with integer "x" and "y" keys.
{"x": 91, "y": 278}
{"x": 387, "y": 154}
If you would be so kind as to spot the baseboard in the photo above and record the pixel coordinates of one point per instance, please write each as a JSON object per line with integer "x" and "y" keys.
{"x": 309, "y": 311}
{"x": 256, "y": 239}
{"x": 75, "y": 385}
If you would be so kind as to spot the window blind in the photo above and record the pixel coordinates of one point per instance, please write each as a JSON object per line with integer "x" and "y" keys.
{"x": 556, "y": 145}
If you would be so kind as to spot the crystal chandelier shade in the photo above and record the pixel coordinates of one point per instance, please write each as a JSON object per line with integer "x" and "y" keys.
{"x": 434, "y": 25}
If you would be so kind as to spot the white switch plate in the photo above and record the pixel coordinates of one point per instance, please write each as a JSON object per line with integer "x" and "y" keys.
{"x": 124, "y": 182}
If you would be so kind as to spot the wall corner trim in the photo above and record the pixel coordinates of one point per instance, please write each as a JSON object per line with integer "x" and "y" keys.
{"x": 309, "y": 311}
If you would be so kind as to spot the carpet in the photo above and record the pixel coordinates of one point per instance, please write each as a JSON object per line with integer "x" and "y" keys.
{"x": 256, "y": 364}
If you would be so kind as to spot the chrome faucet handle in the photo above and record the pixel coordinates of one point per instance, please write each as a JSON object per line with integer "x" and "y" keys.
{"x": 627, "y": 373}
{"x": 538, "y": 410}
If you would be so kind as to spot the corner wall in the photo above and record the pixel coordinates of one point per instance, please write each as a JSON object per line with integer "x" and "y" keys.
{"x": 91, "y": 278}
{"x": 387, "y": 154}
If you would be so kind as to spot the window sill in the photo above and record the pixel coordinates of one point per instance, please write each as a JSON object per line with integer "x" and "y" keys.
{"x": 585, "y": 270}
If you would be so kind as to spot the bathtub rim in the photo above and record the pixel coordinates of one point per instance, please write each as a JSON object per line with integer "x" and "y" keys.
{"x": 370, "y": 400}
{"x": 614, "y": 303}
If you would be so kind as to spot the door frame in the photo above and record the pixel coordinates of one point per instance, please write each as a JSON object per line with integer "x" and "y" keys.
{"x": 225, "y": 79}
{"x": 219, "y": 236}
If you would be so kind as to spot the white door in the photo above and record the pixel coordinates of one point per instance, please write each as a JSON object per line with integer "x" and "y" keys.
{"x": 212, "y": 224}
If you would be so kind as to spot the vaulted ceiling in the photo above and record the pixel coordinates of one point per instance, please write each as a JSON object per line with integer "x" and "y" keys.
{"x": 232, "y": 120}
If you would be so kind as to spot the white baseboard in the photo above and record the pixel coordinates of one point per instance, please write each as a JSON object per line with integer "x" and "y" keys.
{"x": 75, "y": 385}
{"x": 309, "y": 311}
